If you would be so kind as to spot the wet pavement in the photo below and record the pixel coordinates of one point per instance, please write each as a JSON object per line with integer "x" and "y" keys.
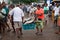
{"x": 48, "y": 34}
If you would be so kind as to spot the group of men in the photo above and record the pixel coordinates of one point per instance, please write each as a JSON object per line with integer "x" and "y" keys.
{"x": 16, "y": 16}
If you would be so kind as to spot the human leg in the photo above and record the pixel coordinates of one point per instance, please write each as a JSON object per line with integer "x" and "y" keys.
{"x": 17, "y": 29}
{"x": 20, "y": 25}
{"x": 37, "y": 29}
{"x": 41, "y": 28}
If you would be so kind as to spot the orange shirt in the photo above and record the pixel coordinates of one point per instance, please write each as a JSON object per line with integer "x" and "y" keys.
{"x": 38, "y": 12}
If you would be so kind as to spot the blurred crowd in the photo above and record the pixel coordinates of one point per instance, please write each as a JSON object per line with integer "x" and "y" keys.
{"x": 17, "y": 13}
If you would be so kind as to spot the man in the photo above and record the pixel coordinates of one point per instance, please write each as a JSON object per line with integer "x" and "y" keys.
{"x": 32, "y": 10}
{"x": 11, "y": 7}
{"x": 18, "y": 17}
{"x": 5, "y": 10}
{"x": 57, "y": 17}
{"x": 50, "y": 10}
{"x": 28, "y": 9}
{"x": 39, "y": 18}
{"x": 56, "y": 13}
{"x": 46, "y": 9}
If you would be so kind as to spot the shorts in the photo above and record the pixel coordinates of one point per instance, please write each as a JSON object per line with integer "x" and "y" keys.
{"x": 50, "y": 13}
{"x": 17, "y": 25}
{"x": 56, "y": 17}
{"x": 39, "y": 24}
{"x": 46, "y": 17}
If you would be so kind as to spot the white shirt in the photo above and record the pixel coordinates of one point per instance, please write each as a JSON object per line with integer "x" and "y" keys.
{"x": 3, "y": 11}
{"x": 10, "y": 11}
{"x": 17, "y": 14}
{"x": 32, "y": 10}
{"x": 56, "y": 9}
{"x": 28, "y": 8}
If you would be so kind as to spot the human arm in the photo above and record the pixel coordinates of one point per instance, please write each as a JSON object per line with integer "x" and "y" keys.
{"x": 10, "y": 14}
{"x": 3, "y": 12}
{"x": 22, "y": 14}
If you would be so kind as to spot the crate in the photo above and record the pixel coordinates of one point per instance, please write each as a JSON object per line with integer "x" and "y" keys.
{"x": 30, "y": 26}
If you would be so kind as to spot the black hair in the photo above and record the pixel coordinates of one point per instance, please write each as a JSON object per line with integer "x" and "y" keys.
{"x": 3, "y": 2}
{"x": 11, "y": 5}
{"x": 38, "y": 6}
{"x": 20, "y": 4}
{"x": 17, "y": 5}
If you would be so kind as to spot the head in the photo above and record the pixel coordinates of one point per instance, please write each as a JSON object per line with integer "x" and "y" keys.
{"x": 3, "y": 4}
{"x": 38, "y": 7}
{"x": 0, "y": 6}
{"x": 57, "y": 4}
{"x": 11, "y": 6}
{"x": 17, "y": 5}
{"x": 20, "y": 5}
{"x": 53, "y": 3}
{"x": 46, "y": 4}
{"x": 31, "y": 6}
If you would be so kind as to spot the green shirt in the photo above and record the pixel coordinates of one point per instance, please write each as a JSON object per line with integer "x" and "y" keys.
{"x": 46, "y": 10}
{"x": 6, "y": 10}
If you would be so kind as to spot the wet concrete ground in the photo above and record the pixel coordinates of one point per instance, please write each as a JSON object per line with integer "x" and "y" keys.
{"x": 48, "y": 34}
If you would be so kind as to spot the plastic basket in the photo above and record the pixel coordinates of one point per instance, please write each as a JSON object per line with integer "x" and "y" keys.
{"x": 30, "y": 26}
